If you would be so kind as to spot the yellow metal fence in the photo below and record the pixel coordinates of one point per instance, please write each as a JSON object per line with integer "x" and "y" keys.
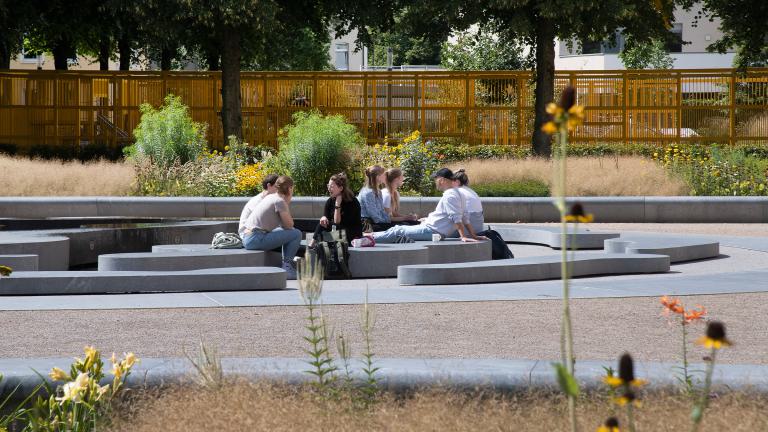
{"x": 78, "y": 109}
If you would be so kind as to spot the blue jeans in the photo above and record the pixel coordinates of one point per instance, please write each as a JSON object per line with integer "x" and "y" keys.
{"x": 413, "y": 232}
{"x": 289, "y": 239}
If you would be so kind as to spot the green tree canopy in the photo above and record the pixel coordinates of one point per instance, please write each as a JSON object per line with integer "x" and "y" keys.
{"x": 482, "y": 49}
{"x": 744, "y": 24}
{"x": 647, "y": 55}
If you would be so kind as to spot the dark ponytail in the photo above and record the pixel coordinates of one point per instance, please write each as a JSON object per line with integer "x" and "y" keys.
{"x": 461, "y": 176}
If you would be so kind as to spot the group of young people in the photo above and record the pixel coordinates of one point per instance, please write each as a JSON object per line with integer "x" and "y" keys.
{"x": 266, "y": 222}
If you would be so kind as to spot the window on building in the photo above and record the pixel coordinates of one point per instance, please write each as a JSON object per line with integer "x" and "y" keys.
{"x": 30, "y": 56}
{"x": 341, "y": 56}
{"x": 591, "y": 47}
{"x": 675, "y": 42}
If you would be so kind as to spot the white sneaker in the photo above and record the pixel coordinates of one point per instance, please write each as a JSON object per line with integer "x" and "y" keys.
{"x": 289, "y": 270}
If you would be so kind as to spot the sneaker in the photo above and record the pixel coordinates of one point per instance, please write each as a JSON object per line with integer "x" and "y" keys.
{"x": 289, "y": 270}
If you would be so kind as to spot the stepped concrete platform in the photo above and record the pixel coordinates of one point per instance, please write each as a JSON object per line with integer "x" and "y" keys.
{"x": 20, "y": 262}
{"x": 679, "y": 249}
{"x": 52, "y": 251}
{"x": 531, "y": 268}
{"x": 181, "y": 260}
{"x": 90, "y": 282}
{"x": 551, "y": 236}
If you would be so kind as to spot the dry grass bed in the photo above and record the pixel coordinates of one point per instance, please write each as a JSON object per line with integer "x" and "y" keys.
{"x": 250, "y": 407}
{"x": 587, "y": 176}
{"x": 35, "y": 177}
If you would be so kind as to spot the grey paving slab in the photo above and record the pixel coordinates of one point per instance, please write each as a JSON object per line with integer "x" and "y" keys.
{"x": 400, "y": 374}
{"x": 180, "y": 260}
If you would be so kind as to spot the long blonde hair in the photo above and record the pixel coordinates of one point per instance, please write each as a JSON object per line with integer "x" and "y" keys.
{"x": 392, "y": 175}
{"x": 371, "y": 173}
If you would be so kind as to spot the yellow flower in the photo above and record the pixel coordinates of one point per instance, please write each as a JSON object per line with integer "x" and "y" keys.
{"x": 627, "y": 398}
{"x": 577, "y": 214}
{"x": 82, "y": 380}
{"x": 70, "y": 392}
{"x": 577, "y": 111}
{"x": 573, "y": 122}
{"x": 5, "y": 270}
{"x": 549, "y": 128}
{"x": 101, "y": 390}
{"x": 90, "y": 355}
{"x": 554, "y": 109}
{"x": 610, "y": 425}
{"x": 117, "y": 370}
{"x": 612, "y": 381}
{"x": 129, "y": 361}
{"x": 715, "y": 336}
{"x": 226, "y": 148}
{"x": 58, "y": 374}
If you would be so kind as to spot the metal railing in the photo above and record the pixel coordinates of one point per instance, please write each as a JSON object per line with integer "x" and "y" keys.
{"x": 622, "y": 107}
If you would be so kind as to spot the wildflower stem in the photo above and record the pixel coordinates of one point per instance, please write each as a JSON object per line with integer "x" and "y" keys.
{"x": 567, "y": 330}
{"x": 701, "y": 405}
{"x": 686, "y": 376}
{"x": 630, "y": 417}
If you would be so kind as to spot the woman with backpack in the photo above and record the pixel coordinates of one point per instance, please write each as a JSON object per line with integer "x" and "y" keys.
{"x": 342, "y": 210}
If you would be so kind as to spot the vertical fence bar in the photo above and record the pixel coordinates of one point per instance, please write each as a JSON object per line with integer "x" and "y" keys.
{"x": 471, "y": 123}
{"x": 679, "y": 107}
{"x": 732, "y": 110}
{"x": 366, "y": 114}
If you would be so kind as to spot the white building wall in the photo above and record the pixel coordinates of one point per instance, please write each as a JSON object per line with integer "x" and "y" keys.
{"x": 355, "y": 58}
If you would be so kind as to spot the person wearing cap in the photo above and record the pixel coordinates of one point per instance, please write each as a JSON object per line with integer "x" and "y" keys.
{"x": 449, "y": 218}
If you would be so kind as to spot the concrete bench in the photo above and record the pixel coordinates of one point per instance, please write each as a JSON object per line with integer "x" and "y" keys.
{"x": 20, "y": 262}
{"x": 90, "y": 282}
{"x": 679, "y": 249}
{"x": 550, "y": 236}
{"x": 530, "y": 268}
{"x": 181, "y": 260}
{"x": 52, "y": 251}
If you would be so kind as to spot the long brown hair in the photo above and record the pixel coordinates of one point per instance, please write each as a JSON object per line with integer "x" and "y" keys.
{"x": 371, "y": 173}
{"x": 392, "y": 175}
{"x": 340, "y": 180}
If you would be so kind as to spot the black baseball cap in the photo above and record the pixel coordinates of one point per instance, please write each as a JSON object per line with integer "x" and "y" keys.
{"x": 442, "y": 172}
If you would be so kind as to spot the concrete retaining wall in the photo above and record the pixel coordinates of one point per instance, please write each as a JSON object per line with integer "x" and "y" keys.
{"x": 497, "y": 210}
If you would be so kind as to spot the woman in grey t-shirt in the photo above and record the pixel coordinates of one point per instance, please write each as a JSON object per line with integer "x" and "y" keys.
{"x": 270, "y": 225}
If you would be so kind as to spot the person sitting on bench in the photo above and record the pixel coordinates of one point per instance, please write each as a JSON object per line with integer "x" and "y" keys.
{"x": 342, "y": 210}
{"x": 448, "y": 220}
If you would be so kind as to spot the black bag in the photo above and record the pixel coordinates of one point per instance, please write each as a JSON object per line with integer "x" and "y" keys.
{"x": 333, "y": 253}
{"x": 499, "y": 248}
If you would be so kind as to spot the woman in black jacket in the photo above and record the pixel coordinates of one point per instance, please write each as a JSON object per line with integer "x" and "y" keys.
{"x": 342, "y": 210}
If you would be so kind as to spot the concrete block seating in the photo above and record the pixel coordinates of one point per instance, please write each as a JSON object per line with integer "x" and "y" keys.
{"x": 550, "y": 236}
{"x": 52, "y": 251}
{"x": 531, "y": 268}
{"x": 90, "y": 282}
{"x": 20, "y": 262}
{"x": 380, "y": 261}
{"x": 679, "y": 249}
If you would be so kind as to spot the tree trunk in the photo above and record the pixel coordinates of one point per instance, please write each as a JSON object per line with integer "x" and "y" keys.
{"x": 5, "y": 54}
{"x": 61, "y": 52}
{"x": 124, "y": 48}
{"x": 231, "y": 113}
{"x": 166, "y": 55}
{"x": 545, "y": 85}
{"x": 104, "y": 51}
{"x": 212, "y": 58}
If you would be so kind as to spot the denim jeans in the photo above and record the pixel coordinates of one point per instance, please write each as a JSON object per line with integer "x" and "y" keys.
{"x": 289, "y": 239}
{"x": 413, "y": 232}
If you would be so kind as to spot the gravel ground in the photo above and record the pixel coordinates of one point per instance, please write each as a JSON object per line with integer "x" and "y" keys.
{"x": 604, "y": 328}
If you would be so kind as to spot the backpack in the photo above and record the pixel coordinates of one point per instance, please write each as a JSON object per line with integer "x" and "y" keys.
{"x": 333, "y": 253}
{"x": 226, "y": 241}
{"x": 499, "y": 248}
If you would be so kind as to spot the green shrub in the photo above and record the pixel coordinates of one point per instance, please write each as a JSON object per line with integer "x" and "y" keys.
{"x": 315, "y": 147}
{"x": 452, "y": 149}
{"x": 418, "y": 160}
{"x": 525, "y": 188}
{"x": 168, "y": 134}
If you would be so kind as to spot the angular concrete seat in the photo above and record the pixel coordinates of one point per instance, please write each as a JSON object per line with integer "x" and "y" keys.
{"x": 551, "y": 236}
{"x": 104, "y": 282}
{"x": 52, "y": 251}
{"x": 20, "y": 262}
{"x": 679, "y": 249}
{"x": 530, "y": 268}
{"x": 384, "y": 259}
{"x": 181, "y": 260}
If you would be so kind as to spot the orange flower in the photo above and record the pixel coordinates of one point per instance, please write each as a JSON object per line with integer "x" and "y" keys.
{"x": 672, "y": 305}
{"x": 694, "y": 314}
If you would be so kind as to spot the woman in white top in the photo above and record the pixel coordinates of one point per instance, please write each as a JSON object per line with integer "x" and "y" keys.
{"x": 390, "y": 196}
{"x": 474, "y": 205}
{"x": 269, "y": 188}
{"x": 270, "y": 225}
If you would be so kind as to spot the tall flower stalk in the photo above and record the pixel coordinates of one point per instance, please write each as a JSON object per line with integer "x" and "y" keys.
{"x": 714, "y": 340}
{"x": 565, "y": 117}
